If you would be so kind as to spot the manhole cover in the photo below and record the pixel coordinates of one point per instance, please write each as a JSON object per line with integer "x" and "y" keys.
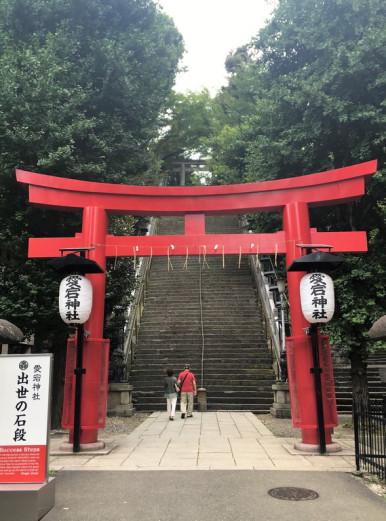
{"x": 293, "y": 493}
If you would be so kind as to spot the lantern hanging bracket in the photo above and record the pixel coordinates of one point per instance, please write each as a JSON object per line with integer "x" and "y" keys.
{"x": 310, "y": 247}
{"x": 82, "y": 251}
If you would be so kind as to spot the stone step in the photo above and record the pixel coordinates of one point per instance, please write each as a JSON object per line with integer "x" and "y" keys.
{"x": 248, "y": 336}
{"x": 162, "y": 359}
{"x": 193, "y": 298}
{"x": 228, "y": 347}
{"x": 372, "y": 371}
{"x": 208, "y": 328}
{"x": 348, "y": 395}
{"x": 179, "y": 269}
{"x": 195, "y": 361}
{"x": 248, "y": 384}
{"x": 172, "y": 341}
{"x": 196, "y": 338}
{"x": 212, "y": 366}
{"x": 347, "y": 369}
{"x": 257, "y": 409}
{"x": 188, "y": 307}
{"x": 181, "y": 318}
{"x": 229, "y": 344}
{"x": 210, "y": 358}
{"x": 371, "y": 383}
{"x": 179, "y": 352}
{"x": 249, "y": 375}
{"x": 225, "y": 398}
{"x": 155, "y": 381}
{"x": 220, "y": 288}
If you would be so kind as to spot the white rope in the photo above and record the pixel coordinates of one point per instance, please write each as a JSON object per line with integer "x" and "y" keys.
{"x": 185, "y": 266}
{"x": 170, "y": 265}
{"x": 204, "y": 261}
{"x": 116, "y": 257}
{"x": 257, "y": 256}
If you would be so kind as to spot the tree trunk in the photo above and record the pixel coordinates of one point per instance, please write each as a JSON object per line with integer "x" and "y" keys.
{"x": 359, "y": 376}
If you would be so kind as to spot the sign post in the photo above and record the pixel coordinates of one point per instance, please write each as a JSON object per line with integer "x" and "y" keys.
{"x": 25, "y": 385}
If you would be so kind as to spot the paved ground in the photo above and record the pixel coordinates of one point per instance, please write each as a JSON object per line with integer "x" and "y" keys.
{"x": 215, "y": 467}
{"x": 210, "y": 496}
{"x": 208, "y": 441}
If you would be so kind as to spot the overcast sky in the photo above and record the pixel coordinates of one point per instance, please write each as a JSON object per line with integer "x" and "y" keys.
{"x": 211, "y": 29}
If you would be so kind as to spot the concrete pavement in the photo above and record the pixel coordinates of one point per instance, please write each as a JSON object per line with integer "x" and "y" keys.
{"x": 211, "y": 496}
{"x": 208, "y": 441}
{"x": 215, "y": 467}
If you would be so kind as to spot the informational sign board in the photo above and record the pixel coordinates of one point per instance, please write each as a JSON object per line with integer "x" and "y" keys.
{"x": 25, "y": 382}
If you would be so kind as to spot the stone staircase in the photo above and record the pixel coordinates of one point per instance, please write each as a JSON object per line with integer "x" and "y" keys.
{"x": 376, "y": 380}
{"x": 237, "y": 366}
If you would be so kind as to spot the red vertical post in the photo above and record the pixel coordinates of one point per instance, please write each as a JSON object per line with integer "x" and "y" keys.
{"x": 96, "y": 348}
{"x": 296, "y": 225}
{"x": 195, "y": 224}
{"x": 94, "y": 231}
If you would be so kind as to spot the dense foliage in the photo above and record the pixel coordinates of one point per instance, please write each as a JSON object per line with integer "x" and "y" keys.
{"x": 188, "y": 125}
{"x": 309, "y": 94}
{"x": 82, "y": 86}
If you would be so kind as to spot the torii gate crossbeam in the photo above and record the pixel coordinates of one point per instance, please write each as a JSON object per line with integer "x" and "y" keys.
{"x": 293, "y": 197}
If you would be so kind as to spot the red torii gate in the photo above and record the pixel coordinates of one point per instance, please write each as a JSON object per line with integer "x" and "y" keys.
{"x": 292, "y": 197}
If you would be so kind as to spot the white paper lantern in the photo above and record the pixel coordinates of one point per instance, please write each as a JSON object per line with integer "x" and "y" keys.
{"x": 317, "y": 297}
{"x": 75, "y": 299}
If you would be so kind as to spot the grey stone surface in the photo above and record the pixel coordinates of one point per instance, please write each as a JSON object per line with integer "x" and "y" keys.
{"x": 208, "y": 440}
{"x": 210, "y": 496}
{"x": 27, "y": 502}
{"x": 202, "y": 399}
{"x": 378, "y": 329}
{"x": 9, "y": 333}
{"x": 281, "y": 407}
{"x": 119, "y": 401}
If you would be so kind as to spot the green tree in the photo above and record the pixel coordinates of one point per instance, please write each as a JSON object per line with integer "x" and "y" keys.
{"x": 188, "y": 122}
{"x": 187, "y": 126}
{"x": 82, "y": 87}
{"x": 317, "y": 72}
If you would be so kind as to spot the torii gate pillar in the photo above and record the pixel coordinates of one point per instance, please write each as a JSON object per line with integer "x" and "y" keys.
{"x": 95, "y": 348}
{"x": 297, "y": 230}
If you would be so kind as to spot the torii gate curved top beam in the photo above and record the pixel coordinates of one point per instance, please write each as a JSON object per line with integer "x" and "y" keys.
{"x": 333, "y": 186}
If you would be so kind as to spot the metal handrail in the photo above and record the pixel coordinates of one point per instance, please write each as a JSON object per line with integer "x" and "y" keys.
{"x": 270, "y": 313}
{"x": 273, "y": 327}
{"x": 135, "y": 310}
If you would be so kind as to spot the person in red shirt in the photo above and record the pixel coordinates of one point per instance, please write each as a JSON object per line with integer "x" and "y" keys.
{"x": 187, "y": 383}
